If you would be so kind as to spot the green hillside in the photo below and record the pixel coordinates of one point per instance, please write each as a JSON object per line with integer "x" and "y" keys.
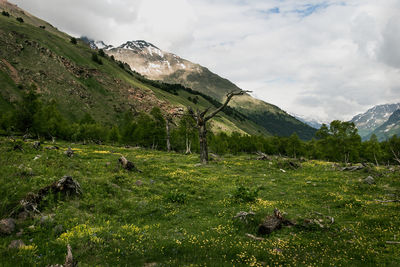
{"x": 31, "y": 55}
{"x": 270, "y": 117}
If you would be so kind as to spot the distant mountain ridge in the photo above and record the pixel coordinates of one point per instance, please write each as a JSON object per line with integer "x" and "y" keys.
{"x": 309, "y": 121}
{"x": 388, "y": 128}
{"x": 154, "y": 63}
{"x": 373, "y": 118}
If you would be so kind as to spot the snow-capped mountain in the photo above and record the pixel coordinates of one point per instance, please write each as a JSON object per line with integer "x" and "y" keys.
{"x": 309, "y": 121}
{"x": 373, "y": 118}
{"x": 149, "y": 60}
{"x": 96, "y": 44}
{"x": 389, "y": 128}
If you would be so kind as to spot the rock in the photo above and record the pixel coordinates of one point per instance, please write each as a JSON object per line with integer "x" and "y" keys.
{"x": 369, "y": 180}
{"x": 108, "y": 164}
{"x": 23, "y": 215}
{"x": 58, "y": 229}
{"x": 69, "y": 152}
{"x": 127, "y": 165}
{"x": 45, "y": 220}
{"x": 37, "y": 157}
{"x": 20, "y": 233}
{"x": 282, "y": 170}
{"x": 7, "y": 226}
{"x": 139, "y": 183}
{"x": 152, "y": 181}
{"x": 16, "y": 244}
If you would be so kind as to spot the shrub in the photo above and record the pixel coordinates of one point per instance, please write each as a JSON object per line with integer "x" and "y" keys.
{"x": 42, "y": 27}
{"x": 176, "y": 197}
{"x": 20, "y": 19}
{"x": 245, "y": 194}
{"x": 96, "y": 59}
{"x": 73, "y": 40}
{"x": 101, "y": 53}
{"x": 5, "y": 13}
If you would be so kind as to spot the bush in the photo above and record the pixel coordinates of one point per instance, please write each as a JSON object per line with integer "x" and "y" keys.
{"x": 176, "y": 197}
{"x": 101, "y": 53}
{"x": 20, "y": 19}
{"x": 245, "y": 194}
{"x": 5, "y": 13}
{"x": 42, "y": 27}
{"x": 96, "y": 59}
{"x": 73, "y": 40}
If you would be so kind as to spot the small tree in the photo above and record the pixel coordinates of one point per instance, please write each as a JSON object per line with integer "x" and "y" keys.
{"x": 20, "y": 19}
{"x": 96, "y": 59}
{"x": 202, "y": 118}
{"x": 73, "y": 40}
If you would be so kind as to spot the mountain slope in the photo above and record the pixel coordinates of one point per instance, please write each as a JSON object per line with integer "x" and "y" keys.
{"x": 33, "y": 53}
{"x": 369, "y": 121}
{"x": 388, "y": 128}
{"x": 156, "y": 64}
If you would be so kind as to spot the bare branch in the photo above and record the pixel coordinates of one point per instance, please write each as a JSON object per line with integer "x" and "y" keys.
{"x": 228, "y": 98}
{"x": 395, "y": 155}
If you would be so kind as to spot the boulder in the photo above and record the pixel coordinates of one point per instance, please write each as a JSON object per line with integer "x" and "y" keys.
{"x": 369, "y": 180}
{"x": 16, "y": 244}
{"x": 7, "y": 226}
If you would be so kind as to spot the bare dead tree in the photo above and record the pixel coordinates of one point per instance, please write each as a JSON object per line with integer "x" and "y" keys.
{"x": 395, "y": 155}
{"x": 202, "y": 118}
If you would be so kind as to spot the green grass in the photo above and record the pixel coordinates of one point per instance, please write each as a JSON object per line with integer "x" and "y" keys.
{"x": 182, "y": 213}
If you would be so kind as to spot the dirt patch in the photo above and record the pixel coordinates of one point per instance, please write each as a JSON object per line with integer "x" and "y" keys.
{"x": 13, "y": 72}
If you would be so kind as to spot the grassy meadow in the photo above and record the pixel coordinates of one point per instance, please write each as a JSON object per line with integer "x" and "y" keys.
{"x": 179, "y": 213}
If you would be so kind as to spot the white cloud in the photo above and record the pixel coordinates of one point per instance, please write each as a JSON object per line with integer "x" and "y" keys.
{"x": 327, "y": 59}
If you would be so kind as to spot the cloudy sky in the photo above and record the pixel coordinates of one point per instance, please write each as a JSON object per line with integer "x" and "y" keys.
{"x": 324, "y": 59}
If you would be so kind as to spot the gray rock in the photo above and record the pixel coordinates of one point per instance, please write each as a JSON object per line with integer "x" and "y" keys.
{"x": 16, "y": 244}
{"x": 23, "y": 215}
{"x": 7, "y": 226}
{"x": 45, "y": 220}
{"x": 58, "y": 229}
{"x": 139, "y": 183}
{"x": 369, "y": 180}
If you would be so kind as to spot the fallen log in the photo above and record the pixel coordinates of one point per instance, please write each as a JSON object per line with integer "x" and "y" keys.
{"x": 392, "y": 242}
{"x": 388, "y": 201}
{"x": 66, "y": 185}
{"x": 262, "y": 156}
{"x": 273, "y": 222}
{"x": 352, "y": 168}
{"x": 243, "y": 215}
{"x": 255, "y": 237}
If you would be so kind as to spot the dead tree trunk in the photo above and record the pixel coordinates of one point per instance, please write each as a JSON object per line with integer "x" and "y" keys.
{"x": 188, "y": 144}
{"x": 201, "y": 123}
{"x": 168, "y": 135}
{"x": 203, "y": 143}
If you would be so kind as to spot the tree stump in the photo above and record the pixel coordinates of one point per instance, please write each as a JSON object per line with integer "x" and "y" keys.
{"x": 127, "y": 165}
{"x": 272, "y": 223}
{"x": 36, "y": 145}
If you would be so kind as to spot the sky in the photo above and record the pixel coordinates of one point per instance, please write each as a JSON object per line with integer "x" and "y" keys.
{"x": 320, "y": 59}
